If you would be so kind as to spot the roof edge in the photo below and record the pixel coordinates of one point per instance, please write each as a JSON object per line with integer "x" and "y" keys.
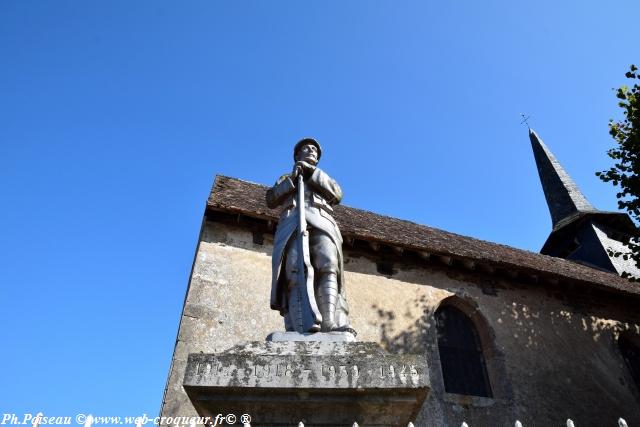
{"x": 236, "y": 196}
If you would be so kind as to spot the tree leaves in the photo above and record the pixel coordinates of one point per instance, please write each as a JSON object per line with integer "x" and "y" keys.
{"x": 626, "y": 171}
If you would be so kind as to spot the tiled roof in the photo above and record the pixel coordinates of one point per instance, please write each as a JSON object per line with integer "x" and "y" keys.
{"x": 237, "y": 196}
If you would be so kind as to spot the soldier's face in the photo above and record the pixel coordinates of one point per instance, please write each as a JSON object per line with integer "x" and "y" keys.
{"x": 308, "y": 153}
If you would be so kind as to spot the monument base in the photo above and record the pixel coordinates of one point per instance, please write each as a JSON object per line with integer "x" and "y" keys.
{"x": 314, "y": 382}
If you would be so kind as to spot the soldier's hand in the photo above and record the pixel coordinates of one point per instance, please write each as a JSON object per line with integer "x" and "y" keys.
{"x": 295, "y": 172}
{"x": 307, "y": 168}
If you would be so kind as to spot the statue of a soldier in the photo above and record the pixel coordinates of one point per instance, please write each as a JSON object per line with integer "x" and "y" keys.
{"x": 307, "y": 278}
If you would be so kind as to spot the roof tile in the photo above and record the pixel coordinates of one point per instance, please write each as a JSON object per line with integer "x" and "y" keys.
{"x": 237, "y": 196}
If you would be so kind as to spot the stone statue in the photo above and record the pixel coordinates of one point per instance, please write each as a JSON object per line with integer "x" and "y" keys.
{"x": 307, "y": 284}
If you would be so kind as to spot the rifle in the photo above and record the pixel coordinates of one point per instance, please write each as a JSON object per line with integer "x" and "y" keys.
{"x": 307, "y": 315}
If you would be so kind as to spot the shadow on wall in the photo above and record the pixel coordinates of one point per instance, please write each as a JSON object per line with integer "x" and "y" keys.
{"x": 550, "y": 343}
{"x": 408, "y": 340}
{"x": 528, "y": 327}
{"x": 532, "y": 327}
{"x": 542, "y": 358}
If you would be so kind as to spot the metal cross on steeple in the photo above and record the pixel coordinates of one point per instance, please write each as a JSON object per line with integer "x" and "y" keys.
{"x": 524, "y": 120}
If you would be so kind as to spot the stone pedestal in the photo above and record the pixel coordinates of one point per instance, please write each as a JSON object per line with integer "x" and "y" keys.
{"x": 318, "y": 383}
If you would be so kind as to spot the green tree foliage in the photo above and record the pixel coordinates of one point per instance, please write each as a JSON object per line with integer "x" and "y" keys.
{"x": 626, "y": 154}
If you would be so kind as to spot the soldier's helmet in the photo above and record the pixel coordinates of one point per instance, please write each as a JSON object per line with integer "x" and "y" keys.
{"x": 305, "y": 141}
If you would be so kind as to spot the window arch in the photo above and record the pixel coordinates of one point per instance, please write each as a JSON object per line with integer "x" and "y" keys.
{"x": 630, "y": 348}
{"x": 463, "y": 364}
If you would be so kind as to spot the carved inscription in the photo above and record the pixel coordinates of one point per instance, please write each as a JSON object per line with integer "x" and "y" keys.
{"x": 326, "y": 372}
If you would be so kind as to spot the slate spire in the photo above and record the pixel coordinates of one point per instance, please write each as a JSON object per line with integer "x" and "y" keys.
{"x": 580, "y": 233}
{"x": 564, "y": 198}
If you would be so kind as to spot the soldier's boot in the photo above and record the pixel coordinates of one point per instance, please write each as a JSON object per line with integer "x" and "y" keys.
{"x": 327, "y": 297}
{"x": 326, "y": 265}
{"x": 299, "y": 314}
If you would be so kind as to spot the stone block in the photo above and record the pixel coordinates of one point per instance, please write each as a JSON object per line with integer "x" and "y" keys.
{"x": 318, "y": 383}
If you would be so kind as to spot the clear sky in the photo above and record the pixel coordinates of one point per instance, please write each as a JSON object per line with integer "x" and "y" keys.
{"x": 116, "y": 115}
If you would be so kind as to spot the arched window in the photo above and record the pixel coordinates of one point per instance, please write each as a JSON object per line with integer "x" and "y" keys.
{"x": 631, "y": 353}
{"x": 463, "y": 365}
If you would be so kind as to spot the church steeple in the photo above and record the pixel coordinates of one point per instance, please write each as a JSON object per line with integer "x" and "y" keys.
{"x": 564, "y": 198}
{"x": 580, "y": 232}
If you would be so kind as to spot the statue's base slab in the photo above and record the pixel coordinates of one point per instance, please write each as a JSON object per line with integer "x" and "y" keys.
{"x": 317, "y": 336}
{"x": 318, "y": 383}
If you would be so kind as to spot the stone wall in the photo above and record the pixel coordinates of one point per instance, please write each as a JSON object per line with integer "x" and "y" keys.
{"x": 550, "y": 354}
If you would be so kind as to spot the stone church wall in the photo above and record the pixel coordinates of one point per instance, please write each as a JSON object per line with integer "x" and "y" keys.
{"x": 550, "y": 355}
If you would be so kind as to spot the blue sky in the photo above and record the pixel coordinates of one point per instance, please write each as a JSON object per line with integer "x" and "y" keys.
{"x": 115, "y": 117}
